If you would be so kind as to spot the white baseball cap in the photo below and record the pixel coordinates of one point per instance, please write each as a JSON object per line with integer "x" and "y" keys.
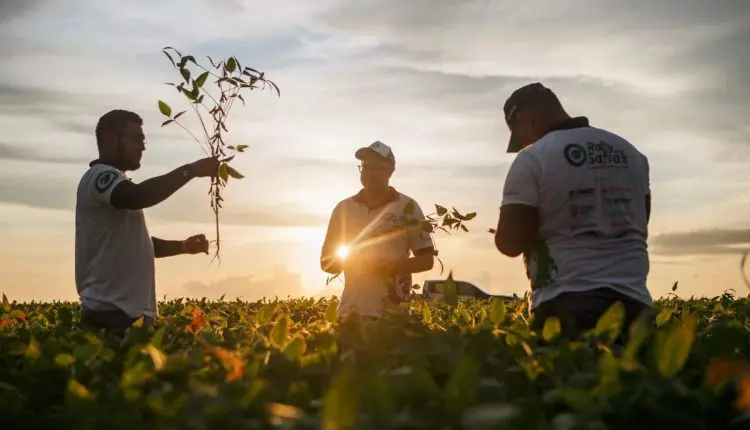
{"x": 378, "y": 149}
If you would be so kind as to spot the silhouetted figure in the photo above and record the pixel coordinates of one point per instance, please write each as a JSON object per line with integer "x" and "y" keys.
{"x": 576, "y": 204}
{"x": 114, "y": 252}
{"x": 370, "y": 224}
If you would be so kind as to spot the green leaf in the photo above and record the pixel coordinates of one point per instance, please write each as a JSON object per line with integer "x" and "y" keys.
{"x": 576, "y": 399}
{"x": 340, "y": 402}
{"x": 266, "y": 312}
{"x": 450, "y": 290}
{"x": 64, "y": 360}
{"x": 673, "y": 348}
{"x": 296, "y": 348}
{"x": 6, "y": 303}
{"x": 201, "y": 79}
{"x": 440, "y": 210}
{"x": 611, "y": 322}
{"x": 280, "y": 332}
{"x": 462, "y": 385}
{"x": 185, "y": 75}
{"x": 497, "y": 310}
{"x": 241, "y": 148}
{"x": 179, "y": 114}
{"x": 664, "y": 316}
{"x": 233, "y": 173}
{"x": 470, "y": 216}
{"x": 167, "y": 122}
{"x": 230, "y": 65}
{"x": 165, "y": 109}
{"x": 426, "y": 313}
{"x": 409, "y": 208}
{"x": 551, "y": 328}
{"x": 158, "y": 337}
{"x": 223, "y": 172}
{"x": 332, "y": 311}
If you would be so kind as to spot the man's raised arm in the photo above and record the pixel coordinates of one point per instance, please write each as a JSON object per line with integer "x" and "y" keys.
{"x": 127, "y": 195}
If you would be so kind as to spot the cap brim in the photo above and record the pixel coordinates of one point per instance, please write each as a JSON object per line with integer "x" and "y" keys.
{"x": 514, "y": 145}
{"x": 366, "y": 152}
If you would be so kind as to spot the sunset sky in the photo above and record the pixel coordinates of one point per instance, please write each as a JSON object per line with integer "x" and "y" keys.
{"x": 428, "y": 78}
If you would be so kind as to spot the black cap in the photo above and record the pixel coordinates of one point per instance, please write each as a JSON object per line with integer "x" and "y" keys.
{"x": 519, "y": 97}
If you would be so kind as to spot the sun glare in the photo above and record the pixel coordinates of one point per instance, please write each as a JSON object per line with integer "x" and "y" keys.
{"x": 342, "y": 252}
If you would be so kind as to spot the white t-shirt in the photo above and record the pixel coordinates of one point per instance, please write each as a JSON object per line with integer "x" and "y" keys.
{"x": 374, "y": 233}
{"x": 114, "y": 253}
{"x": 589, "y": 186}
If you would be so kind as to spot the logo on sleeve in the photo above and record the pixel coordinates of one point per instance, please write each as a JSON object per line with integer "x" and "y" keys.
{"x": 104, "y": 180}
{"x": 575, "y": 154}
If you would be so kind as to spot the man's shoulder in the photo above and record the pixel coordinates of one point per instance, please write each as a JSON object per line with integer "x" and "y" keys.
{"x": 99, "y": 177}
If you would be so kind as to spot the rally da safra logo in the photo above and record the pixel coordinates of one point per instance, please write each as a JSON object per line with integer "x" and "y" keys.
{"x": 575, "y": 154}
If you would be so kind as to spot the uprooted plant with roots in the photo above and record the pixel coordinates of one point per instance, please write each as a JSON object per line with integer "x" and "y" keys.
{"x": 212, "y": 111}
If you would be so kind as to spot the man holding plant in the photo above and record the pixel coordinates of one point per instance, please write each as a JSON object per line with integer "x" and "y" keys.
{"x": 576, "y": 204}
{"x": 114, "y": 252}
{"x": 378, "y": 227}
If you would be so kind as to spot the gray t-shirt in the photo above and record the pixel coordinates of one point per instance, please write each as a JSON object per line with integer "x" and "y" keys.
{"x": 114, "y": 253}
{"x": 589, "y": 186}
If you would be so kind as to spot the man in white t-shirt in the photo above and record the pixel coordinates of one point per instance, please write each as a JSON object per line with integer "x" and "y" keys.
{"x": 380, "y": 227}
{"x": 114, "y": 252}
{"x": 576, "y": 204}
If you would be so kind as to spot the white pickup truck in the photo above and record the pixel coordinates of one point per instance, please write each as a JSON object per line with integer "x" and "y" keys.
{"x": 433, "y": 289}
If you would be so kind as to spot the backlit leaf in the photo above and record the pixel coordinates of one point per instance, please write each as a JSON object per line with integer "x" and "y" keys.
{"x": 673, "y": 348}
{"x": 551, "y": 328}
{"x": 201, "y": 79}
{"x": 296, "y": 348}
{"x": 497, "y": 310}
{"x": 280, "y": 332}
{"x": 165, "y": 109}
{"x": 611, "y": 322}
{"x": 233, "y": 173}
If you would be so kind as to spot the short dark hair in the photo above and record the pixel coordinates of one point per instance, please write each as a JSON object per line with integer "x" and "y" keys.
{"x": 115, "y": 122}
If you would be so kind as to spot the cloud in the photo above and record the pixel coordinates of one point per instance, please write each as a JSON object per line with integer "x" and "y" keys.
{"x": 19, "y": 153}
{"x": 703, "y": 242}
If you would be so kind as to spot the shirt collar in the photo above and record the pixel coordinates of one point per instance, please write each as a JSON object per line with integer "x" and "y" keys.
{"x": 392, "y": 197}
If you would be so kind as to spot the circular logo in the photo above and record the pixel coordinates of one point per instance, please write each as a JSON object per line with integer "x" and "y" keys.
{"x": 104, "y": 180}
{"x": 575, "y": 154}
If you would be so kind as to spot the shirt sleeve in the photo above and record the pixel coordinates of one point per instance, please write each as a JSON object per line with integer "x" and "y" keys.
{"x": 418, "y": 238}
{"x": 103, "y": 180}
{"x": 522, "y": 181}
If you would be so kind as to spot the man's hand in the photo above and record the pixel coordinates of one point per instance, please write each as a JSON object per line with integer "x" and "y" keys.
{"x": 205, "y": 167}
{"x": 195, "y": 244}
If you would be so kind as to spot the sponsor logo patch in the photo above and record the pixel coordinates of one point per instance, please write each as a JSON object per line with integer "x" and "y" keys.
{"x": 105, "y": 180}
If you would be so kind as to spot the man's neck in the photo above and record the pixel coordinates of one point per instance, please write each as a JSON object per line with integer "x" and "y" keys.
{"x": 107, "y": 161}
{"x": 375, "y": 197}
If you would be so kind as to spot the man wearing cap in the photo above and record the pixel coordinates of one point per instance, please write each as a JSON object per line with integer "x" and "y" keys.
{"x": 576, "y": 204}
{"x": 371, "y": 224}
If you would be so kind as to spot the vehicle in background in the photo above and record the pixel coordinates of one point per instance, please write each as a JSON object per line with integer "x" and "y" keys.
{"x": 433, "y": 289}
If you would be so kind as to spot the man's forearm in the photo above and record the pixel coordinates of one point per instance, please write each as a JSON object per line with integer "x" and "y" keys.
{"x": 152, "y": 191}
{"x": 167, "y": 248}
{"x": 417, "y": 264}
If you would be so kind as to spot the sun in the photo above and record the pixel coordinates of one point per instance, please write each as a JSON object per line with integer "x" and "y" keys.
{"x": 342, "y": 252}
